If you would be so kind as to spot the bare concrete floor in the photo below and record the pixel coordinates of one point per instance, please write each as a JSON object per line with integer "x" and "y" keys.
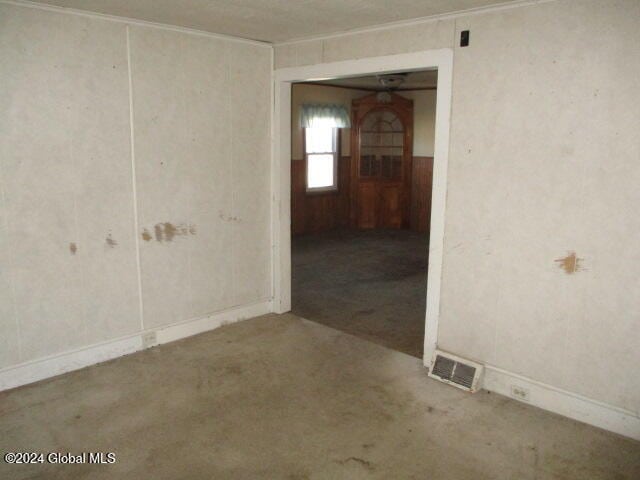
{"x": 369, "y": 283}
{"x": 278, "y": 397}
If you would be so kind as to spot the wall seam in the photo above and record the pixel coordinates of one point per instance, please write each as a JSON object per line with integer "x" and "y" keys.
{"x": 187, "y": 132}
{"x": 234, "y": 292}
{"x": 134, "y": 182}
{"x": 5, "y": 220}
{"x": 83, "y": 293}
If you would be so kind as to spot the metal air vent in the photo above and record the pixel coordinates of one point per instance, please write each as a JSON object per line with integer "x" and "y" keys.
{"x": 456, "y": 371}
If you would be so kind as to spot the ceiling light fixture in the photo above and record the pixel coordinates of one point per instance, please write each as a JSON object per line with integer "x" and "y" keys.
{"x": 389, "y": 82}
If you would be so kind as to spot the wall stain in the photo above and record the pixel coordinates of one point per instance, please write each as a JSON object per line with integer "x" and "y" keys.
{"x": 570, "y": 264}
{"x": 166, "y": 231}
{"x": 110, "y": 241}
{"x": 228, "y": 218}
{"x": 158, "y": 232}
{"x": 169, "y": 231}
{"x": 73, "y": 248}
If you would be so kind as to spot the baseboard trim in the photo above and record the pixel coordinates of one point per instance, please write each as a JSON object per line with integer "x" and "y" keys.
{"x": 211, "y": 322}
{"x": 40, "y": 369}
{"x": 562, "y": 402}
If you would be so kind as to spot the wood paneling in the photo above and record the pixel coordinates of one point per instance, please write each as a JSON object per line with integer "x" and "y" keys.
{"x": 319, "y": 211}
{"x": 315, "y": 212}
{"x": 391, "y": 206}
{"x": 368, "y": 201}
{"x": 422, "y": 178}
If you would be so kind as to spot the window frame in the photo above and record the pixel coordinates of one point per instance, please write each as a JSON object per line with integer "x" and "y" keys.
{"x": 335, "y": 153}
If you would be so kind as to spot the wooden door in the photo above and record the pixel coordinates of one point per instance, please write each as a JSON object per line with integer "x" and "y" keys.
{"x": 381, "y": 144}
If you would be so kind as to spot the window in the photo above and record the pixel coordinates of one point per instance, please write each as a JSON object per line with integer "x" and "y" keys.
{"x": 321, "y": 155}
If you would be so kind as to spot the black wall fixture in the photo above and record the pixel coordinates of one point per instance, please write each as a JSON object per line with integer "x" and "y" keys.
{"x": 464, "y": 38}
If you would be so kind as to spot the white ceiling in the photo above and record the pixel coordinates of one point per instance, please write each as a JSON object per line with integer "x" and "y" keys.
{"x": 421, "y": 79}
{"x": 275, "y": 20}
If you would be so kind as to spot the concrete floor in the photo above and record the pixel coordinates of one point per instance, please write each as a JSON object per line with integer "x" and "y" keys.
{"x": 369, "y": 283}
{"x": 279, "y": 397}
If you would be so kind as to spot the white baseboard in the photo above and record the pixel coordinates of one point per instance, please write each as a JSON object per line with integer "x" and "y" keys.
{"x": 51, "y": 366}
{"x": 40, "y": 369}
{"x": 210, "y": 322}
{"x": 562, "y": 402}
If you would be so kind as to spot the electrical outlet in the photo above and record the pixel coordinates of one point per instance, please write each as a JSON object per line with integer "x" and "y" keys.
{"x": 149, "y": 339}
{"x": 520, "y": 393}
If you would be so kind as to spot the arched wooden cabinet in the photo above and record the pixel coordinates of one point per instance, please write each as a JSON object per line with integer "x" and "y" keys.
{"x": 381, "y": 148}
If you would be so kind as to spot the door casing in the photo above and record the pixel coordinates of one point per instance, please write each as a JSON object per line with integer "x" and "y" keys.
{"x": 442, "y": 60}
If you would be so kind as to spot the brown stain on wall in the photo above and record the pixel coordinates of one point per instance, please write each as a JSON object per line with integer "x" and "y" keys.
{"x": 570, "y": 264}
{"x": 170, "y": 231}
{"x": 158, "y": 232}
{"x": 167, "y": 231}
{"x": 73, "y": 248}
{"x": 187, "y": 229}
{"x": 228, "y": 218}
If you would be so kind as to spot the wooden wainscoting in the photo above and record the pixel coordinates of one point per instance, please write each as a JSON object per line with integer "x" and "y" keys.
{"x": 422, "y": 178}
{"x": 316, "y": 212}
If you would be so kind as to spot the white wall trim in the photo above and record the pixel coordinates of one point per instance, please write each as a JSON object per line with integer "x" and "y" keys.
{"x": 563, "y": 402}
{"x": 132, "y": 21}
{"x": 53, "y": 365}
{"x": 442, "y": 59}
{"x": 212, "y": 321}
{"x": 415, "y": 21}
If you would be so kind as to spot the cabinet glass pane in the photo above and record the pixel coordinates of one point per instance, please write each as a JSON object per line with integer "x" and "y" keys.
{"x": 381, "y": 145}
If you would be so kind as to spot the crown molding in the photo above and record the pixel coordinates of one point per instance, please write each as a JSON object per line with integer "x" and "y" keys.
{"x": 133, "y": 21}
{"x": 415, "y": 21}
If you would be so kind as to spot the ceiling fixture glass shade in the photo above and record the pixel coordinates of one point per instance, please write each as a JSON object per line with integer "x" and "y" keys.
{"x": 392, "y": 80}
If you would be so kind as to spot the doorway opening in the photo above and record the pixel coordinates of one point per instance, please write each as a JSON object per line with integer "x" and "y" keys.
{"x": 282, "y": 221}
{"x": 361, "y": 176}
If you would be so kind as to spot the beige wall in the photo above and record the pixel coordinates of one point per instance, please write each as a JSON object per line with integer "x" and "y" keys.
{"x": 424, "y": 105}
{"x": 68, "y": 253}
{"x": 544, "y": 159}
{"x": 424, "y": 121}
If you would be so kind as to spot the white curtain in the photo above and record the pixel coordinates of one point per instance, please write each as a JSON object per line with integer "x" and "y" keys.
{"x": 324, "y": 115}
